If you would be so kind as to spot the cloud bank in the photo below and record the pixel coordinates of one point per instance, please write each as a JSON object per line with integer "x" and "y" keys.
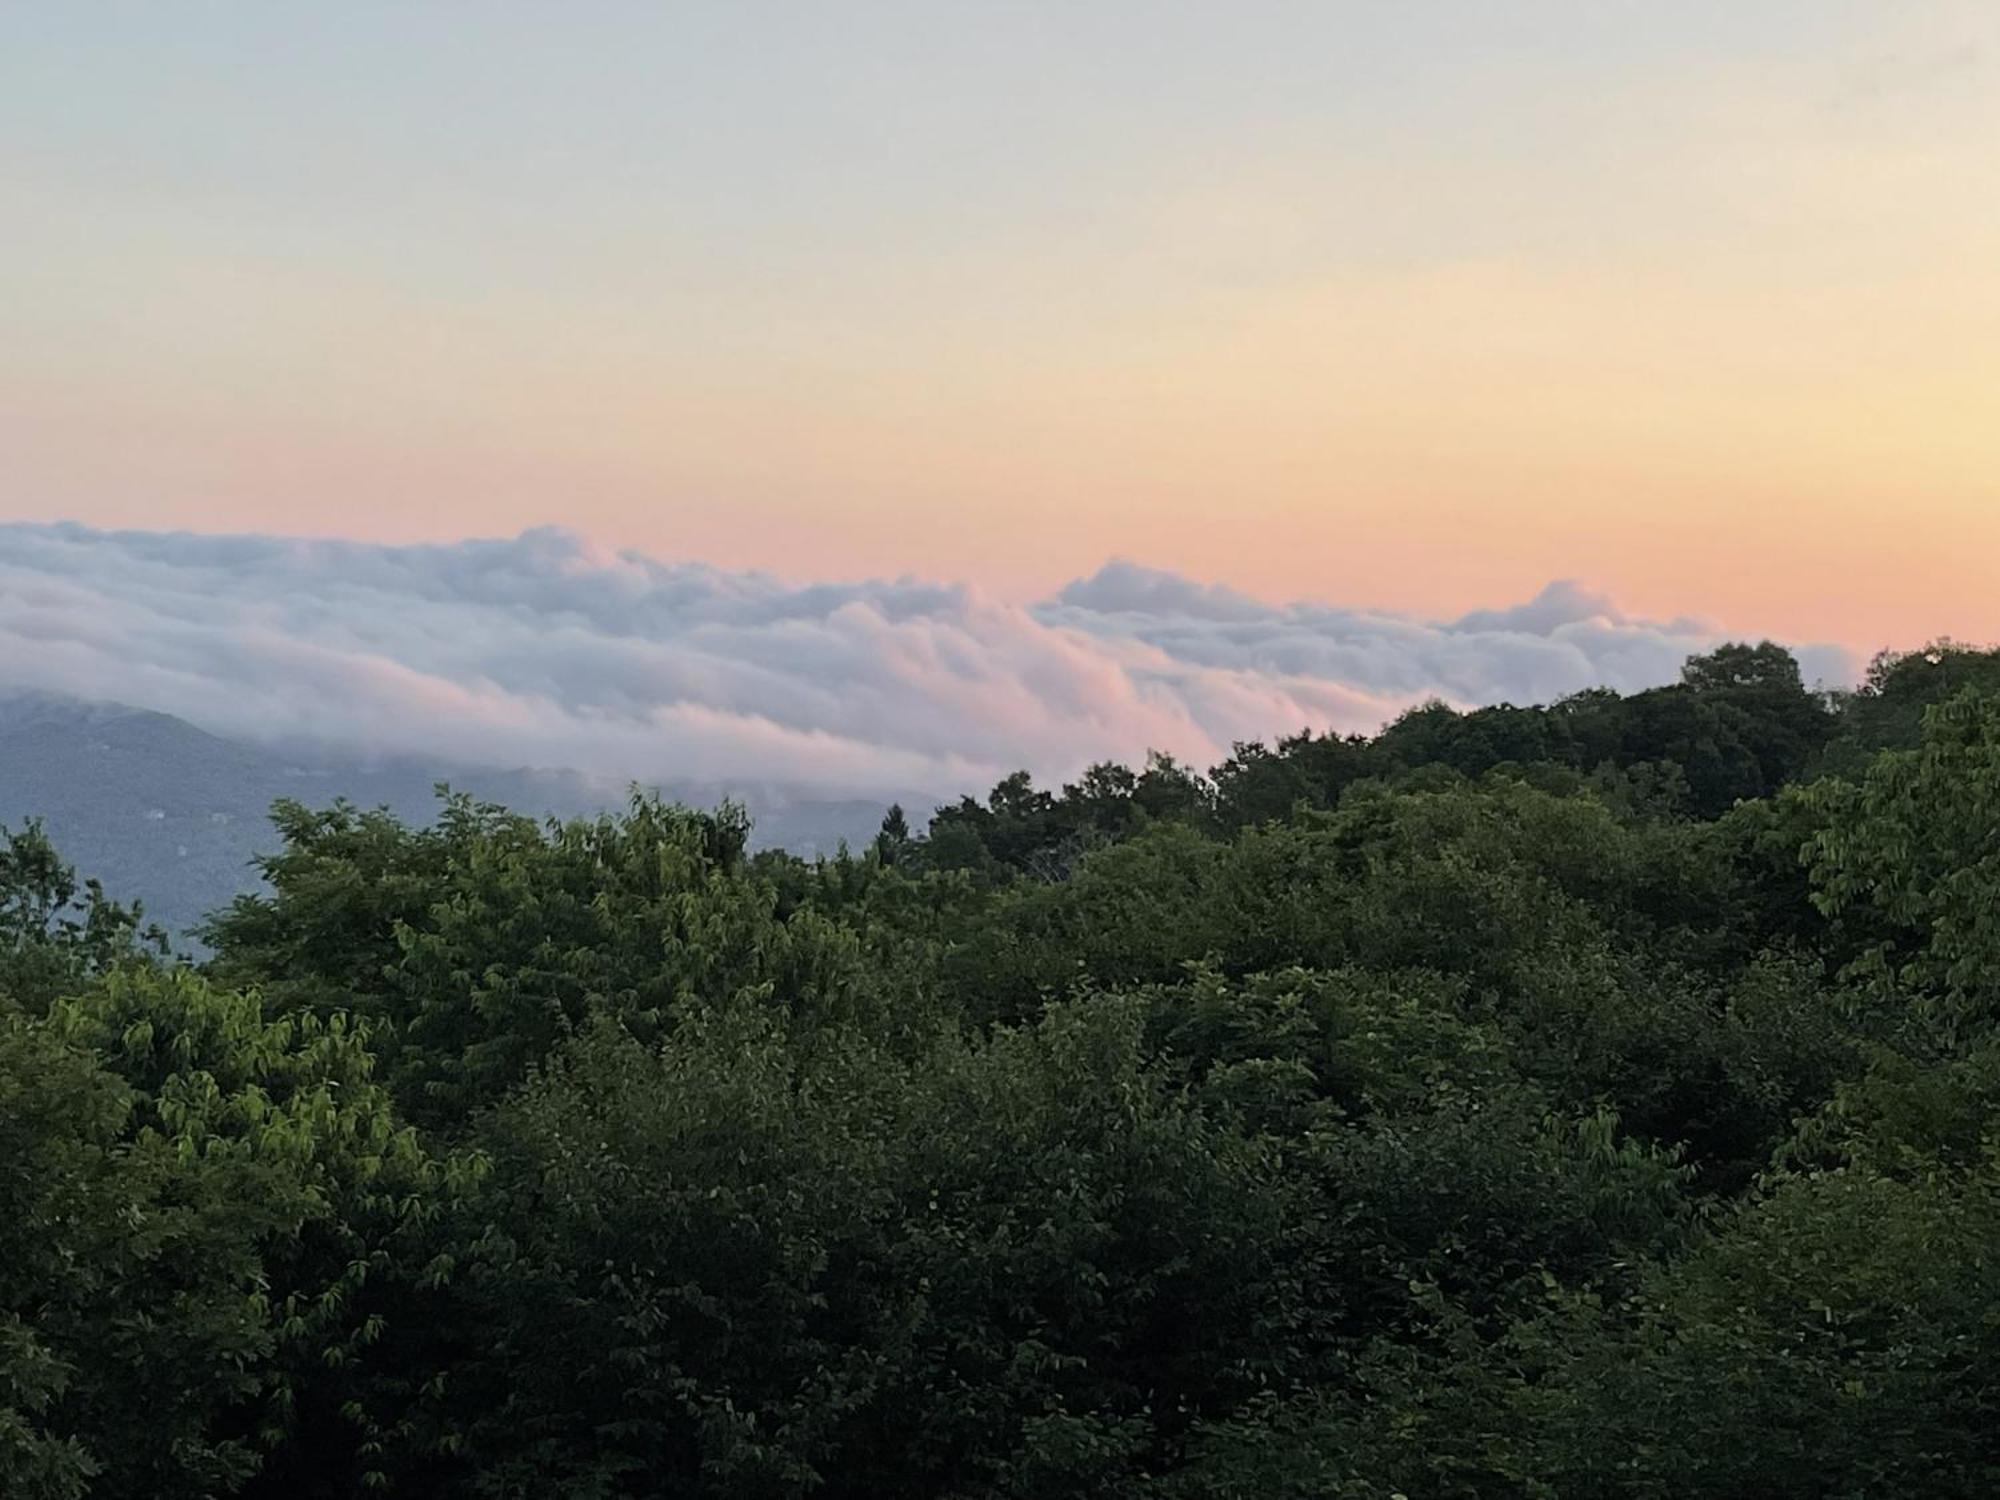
{"x": 545, "y": 650}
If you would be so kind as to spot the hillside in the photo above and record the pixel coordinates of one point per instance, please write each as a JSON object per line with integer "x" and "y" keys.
{"x": 168, "y": 814}
{"x": 1589, "y": 1101}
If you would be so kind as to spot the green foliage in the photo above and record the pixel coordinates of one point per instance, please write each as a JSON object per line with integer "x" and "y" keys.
{"x": 1912, "y": 853}
{"x": 1012, "y": 1265}
{"x": 1592, "y": 1100}
{"x": 288, "y": 1107}
{"x": 1887, "y": 711}
{"x": 207, "y": 1214}
{"x": 57, "y": 933}
{"x": 478, "y": 944}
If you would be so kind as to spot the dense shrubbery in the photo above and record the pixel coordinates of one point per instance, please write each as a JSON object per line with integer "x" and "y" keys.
{"x": 1593, "y": 1100}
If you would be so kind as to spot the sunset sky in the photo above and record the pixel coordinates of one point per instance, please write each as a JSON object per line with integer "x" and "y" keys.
{"x": 1398, "y": 306}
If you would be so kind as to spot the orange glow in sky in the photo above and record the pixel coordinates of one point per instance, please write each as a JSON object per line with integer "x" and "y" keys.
{"x": 1703, "y": 308}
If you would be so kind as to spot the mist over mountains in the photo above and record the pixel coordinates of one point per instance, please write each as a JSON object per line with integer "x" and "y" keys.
{"x": 160, "y": 810}
{"x": 546, "y": 650}
{"x": 159, "y": 690}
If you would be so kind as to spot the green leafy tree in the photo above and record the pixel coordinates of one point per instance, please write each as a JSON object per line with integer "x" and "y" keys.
{"x": 733, "y": 1266}
{"x": 478, "y": 945}
{"x": 1525, "y": 1103}
{"x": 58, "y": 932}
{"x": 215, "y": 1220}
{"x": 1910, "y": 855}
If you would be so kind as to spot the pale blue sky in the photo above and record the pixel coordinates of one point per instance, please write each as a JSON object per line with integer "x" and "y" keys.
{"x": 869, "y": 287}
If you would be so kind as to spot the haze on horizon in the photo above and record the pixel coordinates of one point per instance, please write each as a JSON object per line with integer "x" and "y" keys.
{"x": 548, "y": 650}
{"x": 1411, "y": 308}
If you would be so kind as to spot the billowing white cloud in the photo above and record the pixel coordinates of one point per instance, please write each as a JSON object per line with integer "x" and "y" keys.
{"x": 546, "y": 650}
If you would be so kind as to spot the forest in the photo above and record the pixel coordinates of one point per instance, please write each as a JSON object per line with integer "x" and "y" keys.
{"x": 1591, "y": 1100}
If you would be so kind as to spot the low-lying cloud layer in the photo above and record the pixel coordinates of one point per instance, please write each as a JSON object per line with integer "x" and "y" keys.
{"x": 546, "y": 650}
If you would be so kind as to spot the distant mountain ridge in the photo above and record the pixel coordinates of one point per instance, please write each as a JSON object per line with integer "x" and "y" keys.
{"x": 169, "y": 814}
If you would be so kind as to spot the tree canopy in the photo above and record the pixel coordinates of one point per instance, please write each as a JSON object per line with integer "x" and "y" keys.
{"x": 1592, "y": 1099}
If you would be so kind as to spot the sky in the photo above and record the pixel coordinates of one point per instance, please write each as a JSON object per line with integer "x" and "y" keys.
{"x": 1390, "y": 307}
